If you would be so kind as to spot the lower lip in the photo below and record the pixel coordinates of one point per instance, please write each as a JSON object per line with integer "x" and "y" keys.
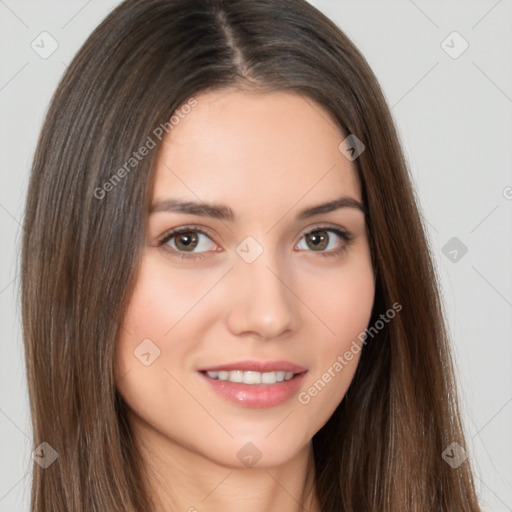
{"x": 256, "y": 396}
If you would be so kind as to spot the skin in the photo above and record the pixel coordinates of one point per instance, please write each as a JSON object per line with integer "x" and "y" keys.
{"x": 267, "y": 157}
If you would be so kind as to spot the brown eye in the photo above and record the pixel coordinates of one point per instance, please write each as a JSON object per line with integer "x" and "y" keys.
{"x": 318, "y": 240}
{"x": 186, "y": 241}
{"x": 323, "y": 241}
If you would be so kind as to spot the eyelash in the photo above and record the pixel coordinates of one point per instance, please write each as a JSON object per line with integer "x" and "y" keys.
{"x": 344, "y": 235}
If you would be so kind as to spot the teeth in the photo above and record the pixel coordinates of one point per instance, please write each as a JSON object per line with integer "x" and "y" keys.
{"x": 251, "y": 377}
{"x": 236, "y": 376}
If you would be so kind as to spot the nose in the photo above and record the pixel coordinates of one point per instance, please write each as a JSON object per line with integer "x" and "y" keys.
{"x": 262, "y": 303}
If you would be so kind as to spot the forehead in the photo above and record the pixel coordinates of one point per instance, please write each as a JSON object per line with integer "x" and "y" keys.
{"x": 254, "y": 150}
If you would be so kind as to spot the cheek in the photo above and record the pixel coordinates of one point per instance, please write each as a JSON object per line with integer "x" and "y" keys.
{"x": 160, "y": 298}
{"x": 150, "y": 319}
{"x": 352, "y": 302}
{"x": 343, "y": 304}
{"x": 164, "y": 307}
{"x": 156, "y": 339}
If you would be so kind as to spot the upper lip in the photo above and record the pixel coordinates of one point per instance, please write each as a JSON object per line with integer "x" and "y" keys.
{"x": 257, "y": 366}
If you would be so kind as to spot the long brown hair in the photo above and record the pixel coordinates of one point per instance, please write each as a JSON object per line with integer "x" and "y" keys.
{"x": 382, "y": 448}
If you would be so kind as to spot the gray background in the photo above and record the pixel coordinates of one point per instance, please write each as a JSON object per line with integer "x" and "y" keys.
{"x": 454, "y": 115}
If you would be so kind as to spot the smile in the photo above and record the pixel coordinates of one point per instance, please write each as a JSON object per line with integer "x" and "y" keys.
{"x": 251, "y": 377}
{"x": 256, "y": 390}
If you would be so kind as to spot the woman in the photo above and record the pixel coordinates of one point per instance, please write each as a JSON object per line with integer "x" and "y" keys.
{"x": 228, "y": 297}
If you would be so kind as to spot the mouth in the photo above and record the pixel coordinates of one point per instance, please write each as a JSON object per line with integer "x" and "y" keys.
{"x": 255, "y": 384}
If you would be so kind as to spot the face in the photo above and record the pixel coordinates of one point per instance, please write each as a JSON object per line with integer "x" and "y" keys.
{"x": 257, "y": 287}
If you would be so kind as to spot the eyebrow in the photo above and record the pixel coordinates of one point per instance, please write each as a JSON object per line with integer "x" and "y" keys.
{"x": 222, "y": 212}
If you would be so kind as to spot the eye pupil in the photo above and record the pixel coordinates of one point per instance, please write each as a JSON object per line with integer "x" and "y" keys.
{"x": 320, "y": 241}
{"x": 190, "y": 240}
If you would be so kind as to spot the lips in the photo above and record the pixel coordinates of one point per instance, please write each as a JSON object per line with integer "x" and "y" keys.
{"x": 257, "y": 366}
{"x": 259, "y": 387}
